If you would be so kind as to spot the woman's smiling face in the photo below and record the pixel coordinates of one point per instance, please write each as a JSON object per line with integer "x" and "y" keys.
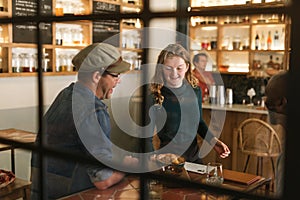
{"x": 174, "y": 70}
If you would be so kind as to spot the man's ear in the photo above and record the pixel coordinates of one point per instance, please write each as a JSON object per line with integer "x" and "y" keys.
{"x": 282, "y": 107}
{"x": 96, "y": 77}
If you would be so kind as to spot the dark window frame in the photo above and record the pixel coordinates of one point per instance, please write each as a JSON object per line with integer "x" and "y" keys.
{"x": 291, "y": 166}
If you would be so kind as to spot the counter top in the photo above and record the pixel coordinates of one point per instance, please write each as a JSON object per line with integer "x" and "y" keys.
{"x": 129, "y": 188}
{"x": 236, "y": 108}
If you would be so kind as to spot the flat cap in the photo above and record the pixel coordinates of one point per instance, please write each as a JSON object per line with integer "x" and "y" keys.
{"x": 100, "y": 56}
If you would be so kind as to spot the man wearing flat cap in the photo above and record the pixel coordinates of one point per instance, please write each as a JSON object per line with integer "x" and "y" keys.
{"x": 78, "y": 123}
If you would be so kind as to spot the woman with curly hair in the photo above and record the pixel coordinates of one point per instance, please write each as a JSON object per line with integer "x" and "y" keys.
{"x": 177, "y": 110}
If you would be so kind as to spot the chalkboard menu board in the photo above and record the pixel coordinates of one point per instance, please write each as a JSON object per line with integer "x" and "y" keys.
{"x": 26, "y": 32}
{"x": 107, "y": 30}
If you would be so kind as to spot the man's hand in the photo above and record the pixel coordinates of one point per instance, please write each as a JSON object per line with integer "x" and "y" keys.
{"x": 130, "y": 161}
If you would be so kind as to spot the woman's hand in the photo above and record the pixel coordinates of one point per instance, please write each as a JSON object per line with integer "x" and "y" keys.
{"x": 221, "y": 148}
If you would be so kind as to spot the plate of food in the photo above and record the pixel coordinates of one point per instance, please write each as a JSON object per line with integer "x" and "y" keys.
{"x": 6, "y": 178}
{"x": 170, "y": 162}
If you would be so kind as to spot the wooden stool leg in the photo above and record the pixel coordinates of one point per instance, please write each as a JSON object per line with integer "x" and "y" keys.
{"x": 261, "y": 165}
{"x": 12, "y": 157}
{"x": 27, "y": 194}
{"x": 247, "y": 161}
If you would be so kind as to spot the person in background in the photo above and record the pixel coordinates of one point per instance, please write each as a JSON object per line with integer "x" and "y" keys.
{"x": 277, "y": 103}
{"x": 78, "y": 122}
{"x": 205, "y": 78}
{"x": 174, "y": 88}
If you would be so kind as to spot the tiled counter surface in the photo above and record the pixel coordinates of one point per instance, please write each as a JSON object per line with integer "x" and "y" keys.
{"x": 128, "y": 189}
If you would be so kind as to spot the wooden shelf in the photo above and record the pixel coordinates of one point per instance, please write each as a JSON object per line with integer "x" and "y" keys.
{"x": 52, "y": 49}
{"x": 242, "y": 29}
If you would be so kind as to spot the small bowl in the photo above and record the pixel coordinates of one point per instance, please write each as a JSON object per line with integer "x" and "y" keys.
{"x": 177, "y": 164}
{"x": 177, "y": 168}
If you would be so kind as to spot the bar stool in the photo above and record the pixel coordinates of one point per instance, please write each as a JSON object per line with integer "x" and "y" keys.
{"x": 257, "y": 138}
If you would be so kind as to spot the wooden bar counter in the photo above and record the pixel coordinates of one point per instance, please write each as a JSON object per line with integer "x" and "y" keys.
{"x": 129, "y": 188}
{"x": 234, "y": 115}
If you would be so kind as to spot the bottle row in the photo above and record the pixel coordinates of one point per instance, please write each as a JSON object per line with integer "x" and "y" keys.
{"x": 69, "y": 35}
{"x": 69, "y": 7}
{"x": 272, "y": 41}
{"x": 25, "y": 60}
{"x": 237, "y": 19}
{"x": 133, "y": 58}
{"x": 131, "y": 39}
{"x": 238, "y": 39}
{"x": 211, "y": 3}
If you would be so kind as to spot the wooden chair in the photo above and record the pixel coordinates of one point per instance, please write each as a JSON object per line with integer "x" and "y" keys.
{"x": 258, "y": 138}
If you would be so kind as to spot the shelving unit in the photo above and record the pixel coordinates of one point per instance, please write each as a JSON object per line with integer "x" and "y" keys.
{"x": 65, "y": 40}
{"x": 235, "y": 51}
{"x": 131, "y": 35}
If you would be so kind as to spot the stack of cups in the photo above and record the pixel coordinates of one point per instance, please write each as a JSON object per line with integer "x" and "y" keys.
{"x": 221, "y": 94}
{"x": 229, "y": 96}
{"x": 212, "y": 94}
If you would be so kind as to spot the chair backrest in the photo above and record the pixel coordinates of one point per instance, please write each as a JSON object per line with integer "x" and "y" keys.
{"x": 257, "y": 137}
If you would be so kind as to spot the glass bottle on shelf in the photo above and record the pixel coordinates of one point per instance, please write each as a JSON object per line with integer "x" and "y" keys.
{"x": 246, "y": 43}
{"x": 225, "y": 44}
{"x": 59, "y": 10}
{"x": 68, "y": 8}
{"x": 45, "y": 63}
{"x": 205, "y": 43}
{"x": 25, "y": 62}
{"x": 32, "y": 62}
{"x": 129, "y": 41}
{"x": 277, "y": 64}
{"x": 213, "y": 42}
{"x": 270, "y": 63}
{"x": 124, "y": 40}
{"x": 257, "y": 41}
{"x": 63, "y": 65}
{"x": 58, "y": 35}
{"x": 269, "y": 41}
{"x": 69, "y": 63}
{"x": 16, "y": 63}
{"x": 1, "y": 67}
{"x": 66, "y": 36}
{"x": 236, "y": 43}
{"x": 263, "y": 41}
{"x": 78, "y": 8}
{"x": 1, "y": 35}
{"x": 77, "y": 36}
{"x": 137, "y": 42}
{"x": 1, "y": 5}
{"x": 276, "y": 40}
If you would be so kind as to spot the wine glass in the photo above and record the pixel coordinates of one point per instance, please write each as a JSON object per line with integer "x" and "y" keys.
{"x": 251, "y": 93}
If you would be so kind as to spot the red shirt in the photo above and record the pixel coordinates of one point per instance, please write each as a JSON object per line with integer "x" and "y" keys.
{"x": 205, "y": 79}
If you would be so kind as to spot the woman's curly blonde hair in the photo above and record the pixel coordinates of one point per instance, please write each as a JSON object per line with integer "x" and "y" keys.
{"x": 158, "y": 79}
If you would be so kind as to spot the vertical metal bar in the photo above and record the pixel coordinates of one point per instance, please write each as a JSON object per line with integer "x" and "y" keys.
{"x": 144, "y": 192}
{"x": 182, "y": 24}
{"x": 42, "y": 173}
{"x": 292, "y": 166}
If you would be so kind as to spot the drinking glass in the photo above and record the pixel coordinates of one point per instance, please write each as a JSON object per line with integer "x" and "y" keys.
{"x": 155, "y": 190}
{"x": 214, "y": 173}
